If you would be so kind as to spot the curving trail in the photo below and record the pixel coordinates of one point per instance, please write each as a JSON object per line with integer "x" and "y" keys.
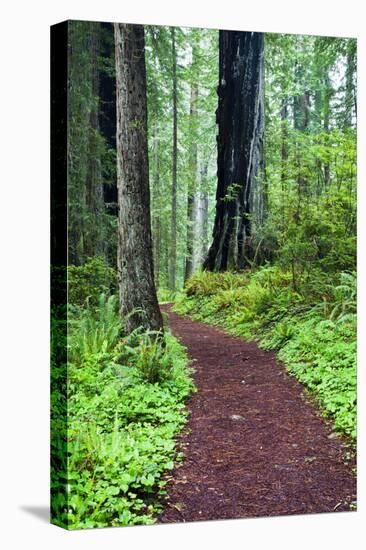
{"x": 255, "y": 445}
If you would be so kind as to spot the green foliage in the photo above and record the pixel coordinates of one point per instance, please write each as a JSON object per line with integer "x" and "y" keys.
{"x": 313, "y": 328}
{"x": 165, "y": 295}
{"x": 87, "y": 282}
{"x": 151, "y": 357}
{"x": 93, "y": 330}
{"x": 124, "y": 401}
{"x": 322, "y": 356}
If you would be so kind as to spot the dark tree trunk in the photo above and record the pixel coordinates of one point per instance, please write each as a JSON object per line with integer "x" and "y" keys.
{"x": 138, "y": 301}
{"x": 173, "y": 239}
{"x": 240, "y": 139}
{"x": 107, "y": 111}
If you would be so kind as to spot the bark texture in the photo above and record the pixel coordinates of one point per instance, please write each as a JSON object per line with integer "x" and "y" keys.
{"x": 138, "y": 301}
{"x": 240, "y": 142}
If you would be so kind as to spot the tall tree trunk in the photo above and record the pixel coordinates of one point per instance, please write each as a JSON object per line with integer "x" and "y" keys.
{"x": 192, "y": 184}
{"x": 107, "y": 124}
{"x": 173, "y": 239}
{"x": 93, "y": 240}
{"x": 240, "y": 137}
{"x": 326, "y": 107}
{"x": 138, "y": 300}
{"x": 165, "y": 251}
{"x": 301, "y": 106}
{"x": 200, "y": 234}
{"x": 156, "y": 225}
{"x": 205, "y": 238}
{"x": 284, "y": 153}
{"x": 284, "y": 143}
{"x": 350, "y": 99}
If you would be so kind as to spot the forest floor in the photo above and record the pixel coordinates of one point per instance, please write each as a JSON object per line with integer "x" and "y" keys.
{"x": 255, "y": 443}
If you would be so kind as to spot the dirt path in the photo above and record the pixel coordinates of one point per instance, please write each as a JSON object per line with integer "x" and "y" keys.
{"x": 255, "y": 445}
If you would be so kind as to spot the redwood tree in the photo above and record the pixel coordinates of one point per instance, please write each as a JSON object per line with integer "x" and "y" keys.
{"x": 240, "y": 142}
{"x": 138, "y": 300}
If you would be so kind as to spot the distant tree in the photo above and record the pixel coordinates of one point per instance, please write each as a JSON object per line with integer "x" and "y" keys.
{"x": 85, "y": 145}
{"x": 138, "y": 300}
{"x": 173, "y": 239}
{"x": 193, "y": 152}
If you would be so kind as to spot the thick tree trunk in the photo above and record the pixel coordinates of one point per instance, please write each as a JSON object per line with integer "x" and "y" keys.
{"x": 240, "y": 139}
{"x": 138, "y": 302}
{"x": 173, "y": 239}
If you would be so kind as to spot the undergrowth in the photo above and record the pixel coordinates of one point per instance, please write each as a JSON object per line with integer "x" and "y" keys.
{"x": 313, "y": 328}
{"x": 123, "y": 398}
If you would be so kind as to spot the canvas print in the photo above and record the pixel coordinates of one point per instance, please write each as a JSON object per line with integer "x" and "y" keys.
{"x": 203, "y": 274}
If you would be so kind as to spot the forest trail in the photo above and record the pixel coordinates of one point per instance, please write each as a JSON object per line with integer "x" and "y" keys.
{"x": 255, "y": 445}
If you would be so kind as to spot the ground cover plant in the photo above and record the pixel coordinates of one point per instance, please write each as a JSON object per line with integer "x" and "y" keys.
{"x": 125, "y": 406}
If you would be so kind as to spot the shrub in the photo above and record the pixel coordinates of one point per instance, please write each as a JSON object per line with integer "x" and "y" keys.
{"x": 124, "y": 401}
{"x": 88, "y": 281}
{"x": 94, "y": 330}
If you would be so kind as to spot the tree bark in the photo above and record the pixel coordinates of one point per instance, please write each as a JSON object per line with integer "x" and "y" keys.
{"x": 240, "y": 139}
{"x": 138, "y": 301}
{"x": 173, "y": 238}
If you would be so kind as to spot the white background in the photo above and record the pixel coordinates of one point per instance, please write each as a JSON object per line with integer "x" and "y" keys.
{"x": 24, "y": 215}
